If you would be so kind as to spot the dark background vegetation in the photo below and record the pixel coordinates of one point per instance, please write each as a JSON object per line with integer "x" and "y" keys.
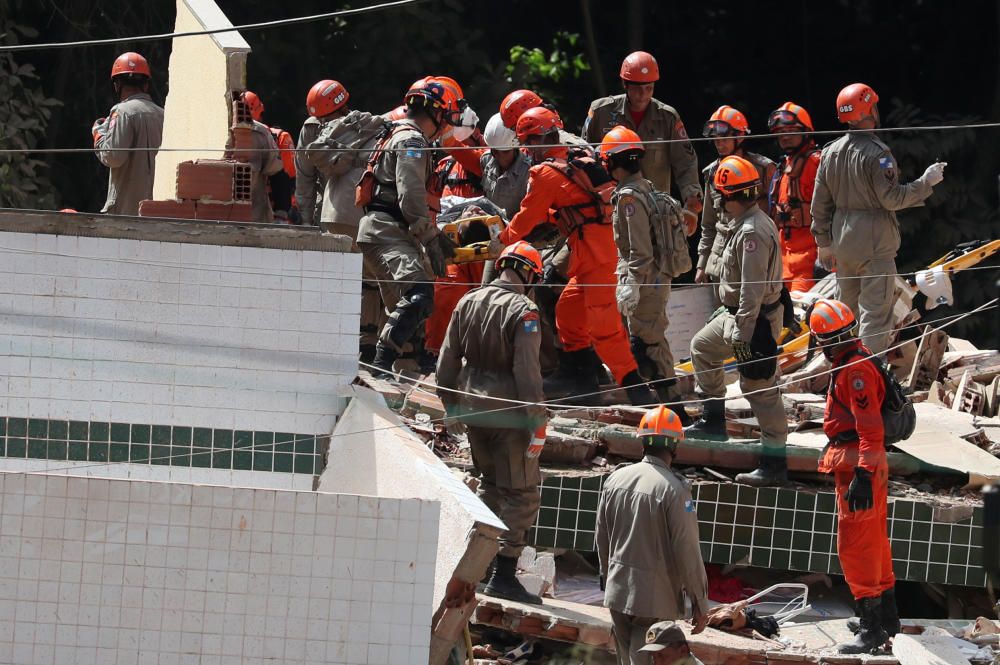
{"x": 931, "y": 62}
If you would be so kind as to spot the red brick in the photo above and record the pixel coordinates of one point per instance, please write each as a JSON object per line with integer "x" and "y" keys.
{"x": 224, "y": 212}
{"x": 170, "y": 208}
{"x": 210, "y": 179}
{"x": 242, "y": 143}
{"x": 242, "y": 182}
{"x": 242, "y": 212}
{"x": 241, "y": 113}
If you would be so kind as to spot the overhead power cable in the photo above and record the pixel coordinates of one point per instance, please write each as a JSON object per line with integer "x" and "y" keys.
{"x": 14, "y": 48}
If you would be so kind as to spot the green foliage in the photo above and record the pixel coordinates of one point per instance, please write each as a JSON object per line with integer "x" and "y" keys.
{"x": 24, "y": 114}
{"x": 547, "y": 74}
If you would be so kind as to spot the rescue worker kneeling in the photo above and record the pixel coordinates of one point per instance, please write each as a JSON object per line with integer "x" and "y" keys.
{"x": 491, "y": 351}
{"x": 747, "y": 325}
{"x": 397, "y": 229}
{"x": 856, "y": 458}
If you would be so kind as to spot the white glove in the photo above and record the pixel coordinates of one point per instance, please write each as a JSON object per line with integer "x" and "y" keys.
{"x": 934, "y": 173}
{"x": 466, "y": 125}
{"x": 627, "y": 294}
{"x": 537, "y": 443}
{"x": 824, "y": 256}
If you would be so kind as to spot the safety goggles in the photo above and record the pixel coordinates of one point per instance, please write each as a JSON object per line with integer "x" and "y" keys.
{"x": 719, "y": 128}
{"x": 782, "y": 118}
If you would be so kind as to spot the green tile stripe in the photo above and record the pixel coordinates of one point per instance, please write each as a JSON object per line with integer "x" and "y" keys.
{"x": 82, "y": 441}
{"x": 780, "y": 528}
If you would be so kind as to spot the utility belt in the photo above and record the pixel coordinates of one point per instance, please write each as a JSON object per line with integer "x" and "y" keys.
{"x": 845, "y": 437}
{"x": 384, "y": 200}
{"x": 764, "y": 309}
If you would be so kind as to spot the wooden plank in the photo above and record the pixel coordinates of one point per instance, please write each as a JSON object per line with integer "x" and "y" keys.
{"x": 926, "y": 650}
{"x": 949, "y": 451}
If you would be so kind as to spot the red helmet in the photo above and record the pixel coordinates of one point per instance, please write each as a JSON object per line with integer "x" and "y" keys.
{"x": 538, "y": 121}
{"x": 792, "y": 115}
{"x": 829, "y": 320}
{"x": 254, "y": 104}
{"x": 130, "y": 63}
{"x": 620, "y": 139}
{"x": 855, "y": 103}
{"x": 660, "y": 422}
{"x": 735, "y": 176}
{"x": 523, "y": 259}
{"x": 726, "y": 121}
{"x": 515, "y": 104}
{"x": 640, "y": 67}
{"x": 325, "y": 97}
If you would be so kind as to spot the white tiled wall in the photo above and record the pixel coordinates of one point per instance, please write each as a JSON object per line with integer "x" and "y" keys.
{"x": 176, "y": 334}
{"x": 128, "y": 572}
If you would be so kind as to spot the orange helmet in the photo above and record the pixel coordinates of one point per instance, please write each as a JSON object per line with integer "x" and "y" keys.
{"x": 659, "y": 424}
{"x": 254, "y": 104}
{"x": 735, "y": 176}
{"x": 831, "y": 319}
{"x": 640, "y": 67}
{"x": 620, "y": 139}
{"x": 538, "y": 121}
{"x": 523, "y": 259}
{"x": 515, "y": 104}
{"x": 726, "y": 121}
{"x": 130, "y": 63}
{"x": 431, "y": 94}
{"x": 789, "y": 114}
{"x": 325, "y": 97}
{"x": 855, "y": 102}
{"x": 454, "y": 97}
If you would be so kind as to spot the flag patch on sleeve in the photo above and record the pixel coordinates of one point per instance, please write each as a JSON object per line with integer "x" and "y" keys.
{"x": 886, "y": 162}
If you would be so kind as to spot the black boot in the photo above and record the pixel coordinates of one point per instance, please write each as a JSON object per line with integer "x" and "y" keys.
{"x": 712, "y": 424}
{"x": 383, "y": 361}
{"x": 871, "y": 634}
{"x": 638, "y": 392}
{"x": 575, "y": 376}
{"x": 670, "y": 396}
{"x": 504, "y": 583}
{"x": 890, "y": 613}
{"x": 772, "y": 470}
{"x": 366, "y": 353}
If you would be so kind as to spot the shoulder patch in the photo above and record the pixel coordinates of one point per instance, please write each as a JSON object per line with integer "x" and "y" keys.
{"x": 750, "y": 245}
{"x": 113, "y": 119}
{"x": 530, "y": 322}
{"x": 689, "y": 506}
{"x": 679, "y": 129}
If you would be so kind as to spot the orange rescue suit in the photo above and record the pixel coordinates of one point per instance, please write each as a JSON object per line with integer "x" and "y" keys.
{"x": 586, "y": 313}
{"x": 790, "y": 199}
{"x": 862, "y": 536}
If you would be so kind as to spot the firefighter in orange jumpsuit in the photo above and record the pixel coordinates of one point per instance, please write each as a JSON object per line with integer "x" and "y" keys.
{"x": 856, "y": 458}
{"x": 791, "y": 191}
{"x": 586, "y": 313}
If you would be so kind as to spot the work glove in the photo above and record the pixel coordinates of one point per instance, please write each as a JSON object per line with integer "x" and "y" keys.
{"x": 859, "y": 493}
{"x": 934, "y": 173}
{"x": 552, "y": 276}
{"x": 627, "y": 294}
{"x": 98, "y": 129}
{"x": 495, "y": 247}
{"x": 537, "y": 443}
{"x": 743, "y": 354}
{"x": 439, "y": 249}
{"x": 824, "y": 257}
{"x": 756, "y": 358}
{"x": 466, "y": 125}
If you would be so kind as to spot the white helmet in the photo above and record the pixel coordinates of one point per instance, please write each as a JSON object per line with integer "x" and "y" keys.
{"x": 499, "y": 137}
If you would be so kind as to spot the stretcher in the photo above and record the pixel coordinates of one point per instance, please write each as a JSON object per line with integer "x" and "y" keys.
{"x": 473, "y": 235}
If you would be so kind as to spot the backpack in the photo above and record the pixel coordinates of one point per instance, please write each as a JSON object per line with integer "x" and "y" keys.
{"x": 899, "y": 418}
{"x": 364, "y": 191}
{"x": 357, "y": 129}
{"x": 669, "y": 235}
{"x": 587, "y": 174}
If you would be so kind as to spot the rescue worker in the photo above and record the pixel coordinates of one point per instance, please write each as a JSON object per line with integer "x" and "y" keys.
{"x": 643, "y": 275}
{"x": 587, "y": 319}
{"x": 397, "y": 232}
{"x": 134, "y": 122}
{"x": 516, "y": 103}
{"x": 854, "y": 209}
{"x": 747, "y": 325}
{"x": 727, "y": 128}
{"x": 281, "y": 185}
{"x": 491, "y": 351}
{"x": 325, "y": 101}
{"x": 791, "y": 191}
{"x": 264, "y": 162}
{"x": 651, "y": 119}
{"x": 647, "y": 541}
{"x": 666, "y": 644}
{"x": 856, "y": 458}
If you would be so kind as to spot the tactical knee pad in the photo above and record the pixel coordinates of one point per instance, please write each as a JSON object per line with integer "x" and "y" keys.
{"x": 409, "y": 315}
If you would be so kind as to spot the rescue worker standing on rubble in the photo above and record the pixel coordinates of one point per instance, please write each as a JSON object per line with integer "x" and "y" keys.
{"x": 397, "y": 231}
{"x": 326, "y": 101}
{"x": 856, "y": 458}
{"x": 280, "y": 185}
{"x": 647, "y": 541}
{"x": 727, "y": 128}
{"x": 791, "y": 192}
{"x": 854, "y": 213}
{"x": 644, "y": 264}
{"x": 134, "y": 122}
{"x": 491, "y": 351}
{"x": 652, "y": 120}
{"x": 747, "y": 325}
{"x": 586, "y": 316}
